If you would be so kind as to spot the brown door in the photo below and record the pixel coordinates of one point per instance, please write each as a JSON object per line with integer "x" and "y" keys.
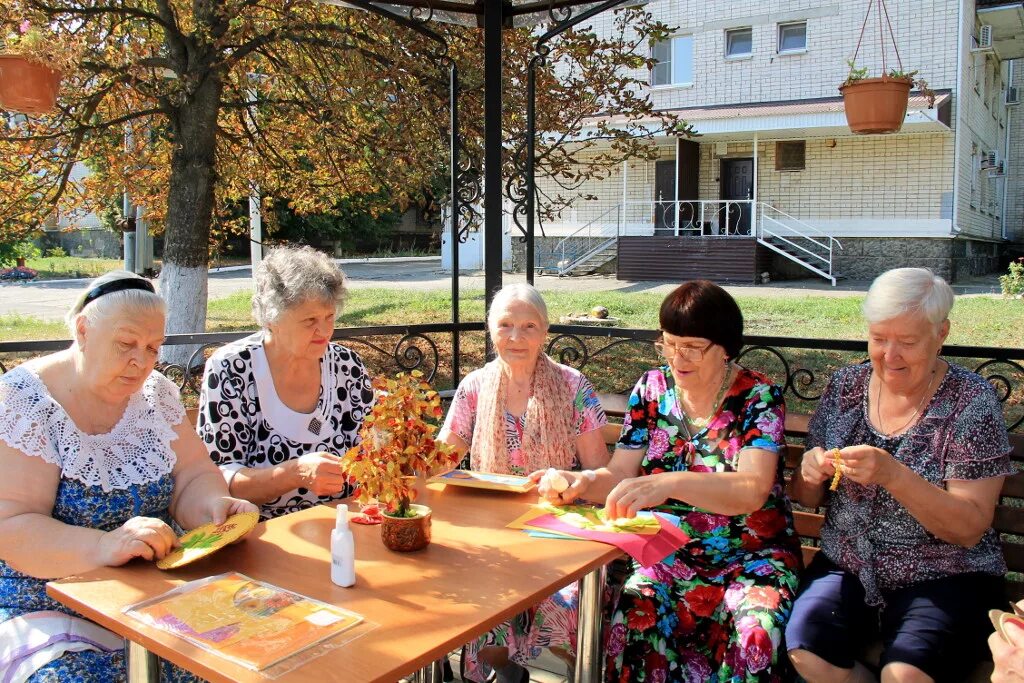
{"x": 664, "y": 196}
{"x": 688, "y": 152}
{"x": 737, "y": 184}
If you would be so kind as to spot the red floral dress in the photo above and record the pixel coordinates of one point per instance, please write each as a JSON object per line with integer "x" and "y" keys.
{"x": 716, "y": 610}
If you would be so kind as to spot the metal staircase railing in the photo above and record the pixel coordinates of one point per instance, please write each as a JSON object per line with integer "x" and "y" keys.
{"x": 578, "y": 247}
{"x": 798, "y": 241}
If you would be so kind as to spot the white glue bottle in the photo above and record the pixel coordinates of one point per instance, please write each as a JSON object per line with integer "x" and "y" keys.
{"x": 343, "y": 551}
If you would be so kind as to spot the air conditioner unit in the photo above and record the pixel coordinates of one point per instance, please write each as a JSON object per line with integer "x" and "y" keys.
{"x": 984, "y": 39}
{"x": 989, "y": 160}
{"x": 997, "y": 171}
{"x": 1012, "y": 96}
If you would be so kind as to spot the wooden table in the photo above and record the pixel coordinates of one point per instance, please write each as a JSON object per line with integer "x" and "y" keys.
{"x": 474, "y": 575}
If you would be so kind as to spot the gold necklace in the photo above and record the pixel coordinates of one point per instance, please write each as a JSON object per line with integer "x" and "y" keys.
{"x": 913, "y": 416}
{"x": 702, "y": 422}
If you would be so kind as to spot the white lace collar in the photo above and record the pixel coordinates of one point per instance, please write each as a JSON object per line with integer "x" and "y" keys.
{"x": 136, "y": 451}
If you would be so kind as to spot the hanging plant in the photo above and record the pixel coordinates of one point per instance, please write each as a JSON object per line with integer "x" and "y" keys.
{"x": 879, "y": 104}
{"x": 31, "y": 67}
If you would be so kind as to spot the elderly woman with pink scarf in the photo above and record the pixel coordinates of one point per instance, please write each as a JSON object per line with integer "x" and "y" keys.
{"x": 520, "y": 413}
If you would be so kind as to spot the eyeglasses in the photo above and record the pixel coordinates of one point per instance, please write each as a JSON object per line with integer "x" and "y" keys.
{"x": 690, "y": 353}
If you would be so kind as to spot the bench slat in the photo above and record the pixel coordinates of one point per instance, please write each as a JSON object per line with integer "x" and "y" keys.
{"x": 808, "y": 524}
{"x": 1009, "y": 520}
{"x": 1014, "y": 486}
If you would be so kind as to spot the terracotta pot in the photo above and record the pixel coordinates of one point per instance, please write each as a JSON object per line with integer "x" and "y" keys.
{"x": 876, "y": 105}
{"x": 406, "y": 534}
{"x": 19, "y": 262}
{"x": 27, "y": 87}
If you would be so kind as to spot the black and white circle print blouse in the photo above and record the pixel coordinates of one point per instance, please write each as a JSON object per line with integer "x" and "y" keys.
{"x": 244, "y": 424}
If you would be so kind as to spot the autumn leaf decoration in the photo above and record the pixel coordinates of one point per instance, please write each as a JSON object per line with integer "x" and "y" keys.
{"x": 397, "y": 441}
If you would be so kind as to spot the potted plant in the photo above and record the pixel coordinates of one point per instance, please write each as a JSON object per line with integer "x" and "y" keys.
{"x": 31, "y": 67}
{"x": 397, "y": 444}
{"x": 879, "y": 105}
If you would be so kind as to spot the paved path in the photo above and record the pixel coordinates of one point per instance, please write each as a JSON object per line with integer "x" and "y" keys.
{"x": 50, "y": 300}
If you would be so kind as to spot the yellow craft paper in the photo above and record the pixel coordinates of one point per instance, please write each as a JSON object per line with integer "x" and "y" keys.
{"x": 253, "y": 623}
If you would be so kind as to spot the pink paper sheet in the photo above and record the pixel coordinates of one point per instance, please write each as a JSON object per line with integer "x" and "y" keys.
{"x": 645, "y": 549}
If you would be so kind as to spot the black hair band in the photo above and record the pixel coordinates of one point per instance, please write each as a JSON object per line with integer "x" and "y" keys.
{"x": 117, "y": 286}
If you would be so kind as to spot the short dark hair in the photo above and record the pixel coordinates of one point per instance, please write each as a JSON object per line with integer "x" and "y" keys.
{"x": 701, "y": 308}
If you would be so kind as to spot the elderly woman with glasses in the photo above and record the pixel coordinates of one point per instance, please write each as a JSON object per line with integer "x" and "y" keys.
{"x": 914, "y": 451}
{"x": 99, "y": 467}
{"x": 702, "y": 440}
{"x": 279, "y": 408}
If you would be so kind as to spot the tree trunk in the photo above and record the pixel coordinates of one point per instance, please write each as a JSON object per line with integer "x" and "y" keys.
{"x": 190, "y": 204}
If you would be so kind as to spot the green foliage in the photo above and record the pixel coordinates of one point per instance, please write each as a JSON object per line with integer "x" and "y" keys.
{"x": 10, "y": 252}
{"x": 357, "y": 224}
{"x": 56, "y": 252}
{"x": 1013, "y": 282}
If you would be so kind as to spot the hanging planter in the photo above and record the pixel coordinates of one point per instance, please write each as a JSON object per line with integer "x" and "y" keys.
{"x": 27, "y": 87}
{"x": 879, "y": 105}
{"x": 876, "y": 105}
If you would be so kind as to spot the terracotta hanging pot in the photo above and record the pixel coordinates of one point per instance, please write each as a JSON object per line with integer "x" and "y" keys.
{"x": 406, "y": 534}
{"x": 876, "y": 105}
{"x": 27, "y": 87}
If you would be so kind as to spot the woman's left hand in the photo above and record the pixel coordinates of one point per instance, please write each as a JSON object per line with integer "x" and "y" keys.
{"x": 868, "y": 465}
{"x": 223, "y": 507}
{"x": 630, "y": 496}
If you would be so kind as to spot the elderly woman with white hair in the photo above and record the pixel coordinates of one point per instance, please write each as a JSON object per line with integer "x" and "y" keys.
{"x": 279, "y": 408}
{"x": 520, "y": 413}
{"x": 99, "y": 467}
{"x": 914, "y": 450}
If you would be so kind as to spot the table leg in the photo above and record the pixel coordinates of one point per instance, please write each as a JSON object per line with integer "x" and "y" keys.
{"x": 142, "y": 665}
{"x": 432, "y": 673}
{"x": 588, "y": 637}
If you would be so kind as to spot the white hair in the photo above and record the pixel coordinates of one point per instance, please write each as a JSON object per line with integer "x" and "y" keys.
{"x": 509, "y": 294}
{"x": 290, "y": 276}
{"x": 908, "y": 290}
{"x": 124, "y": 303}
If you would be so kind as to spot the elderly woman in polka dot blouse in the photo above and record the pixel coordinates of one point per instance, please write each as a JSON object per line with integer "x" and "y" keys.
{"x": 279, "y": 408}
{"x": 907, "y": 549}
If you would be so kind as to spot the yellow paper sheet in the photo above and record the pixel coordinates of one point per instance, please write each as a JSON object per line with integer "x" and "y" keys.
{"x": 586, "y": 517}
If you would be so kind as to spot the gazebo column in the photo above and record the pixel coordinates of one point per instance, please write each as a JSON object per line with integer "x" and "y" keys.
{"x": 494, "y": 18}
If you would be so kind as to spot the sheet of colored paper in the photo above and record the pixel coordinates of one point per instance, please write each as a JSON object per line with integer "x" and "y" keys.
{"x": 485, "y": 480}
{"x": 586, "y": 517}
{"x": 645, "y": 549}
{"x": 250, "y": 622}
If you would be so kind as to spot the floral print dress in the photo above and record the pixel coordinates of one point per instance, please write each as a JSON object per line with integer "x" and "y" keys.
{"x": 716, "y": 610}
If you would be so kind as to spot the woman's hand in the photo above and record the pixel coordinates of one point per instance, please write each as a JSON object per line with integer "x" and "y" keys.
{"x": 578, "y": 484}
{"x": 223, "y": 507}
{"x": 1008, "y": 654}
{"x": 144, "y": 537}
{"x": 320, "y": 473}
{"x": 817, "y": 466}
{"x": 630, "y": 496}
{"x": 868, "y": 465}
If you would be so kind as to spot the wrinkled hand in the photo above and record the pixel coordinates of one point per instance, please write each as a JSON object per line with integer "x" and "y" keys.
{"x": 630, "y": 496}
{"x": 225, "y": 506}
{"x": 868, "y": 465}
{"x": 577, "y": 485}
{"x": 816, "y": 466}
{"x": 320, "y": 473}
{"x": 1008, "y": 654}
{"x": 144, "y": 537}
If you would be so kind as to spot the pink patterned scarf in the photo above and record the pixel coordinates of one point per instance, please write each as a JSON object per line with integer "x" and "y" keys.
{"x": 549, "y": 436}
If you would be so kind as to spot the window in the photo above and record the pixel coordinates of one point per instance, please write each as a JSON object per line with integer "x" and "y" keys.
{"x": 790, "y": 156}
{"x": 739, "y": 42}
{"x": 675, "y": 61}
{"x": 793, "y": 37}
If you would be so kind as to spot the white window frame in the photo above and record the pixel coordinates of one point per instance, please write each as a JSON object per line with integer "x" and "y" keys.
{"x": 672, "y": 83}
{"x": 739, "y": 55}
{"x": 778, "y": 38}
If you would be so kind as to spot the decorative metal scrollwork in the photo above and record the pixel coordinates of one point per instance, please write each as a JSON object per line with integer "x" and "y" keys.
{"x": 573, "y": 351}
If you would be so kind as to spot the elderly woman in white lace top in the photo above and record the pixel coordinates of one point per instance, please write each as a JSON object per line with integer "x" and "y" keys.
{"x": 99, "y": 467}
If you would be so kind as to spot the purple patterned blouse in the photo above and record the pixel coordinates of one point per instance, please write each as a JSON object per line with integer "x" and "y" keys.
{"x": 960, "y": 436}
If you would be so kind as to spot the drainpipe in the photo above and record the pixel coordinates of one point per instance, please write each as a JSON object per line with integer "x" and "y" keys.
{"x": 675, "y": 190}
{"x": 753, "y": 204}
{"x": 622, "y": 215}
{"x": 956, "y": 118}
{"x": 1006, "y": 150}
